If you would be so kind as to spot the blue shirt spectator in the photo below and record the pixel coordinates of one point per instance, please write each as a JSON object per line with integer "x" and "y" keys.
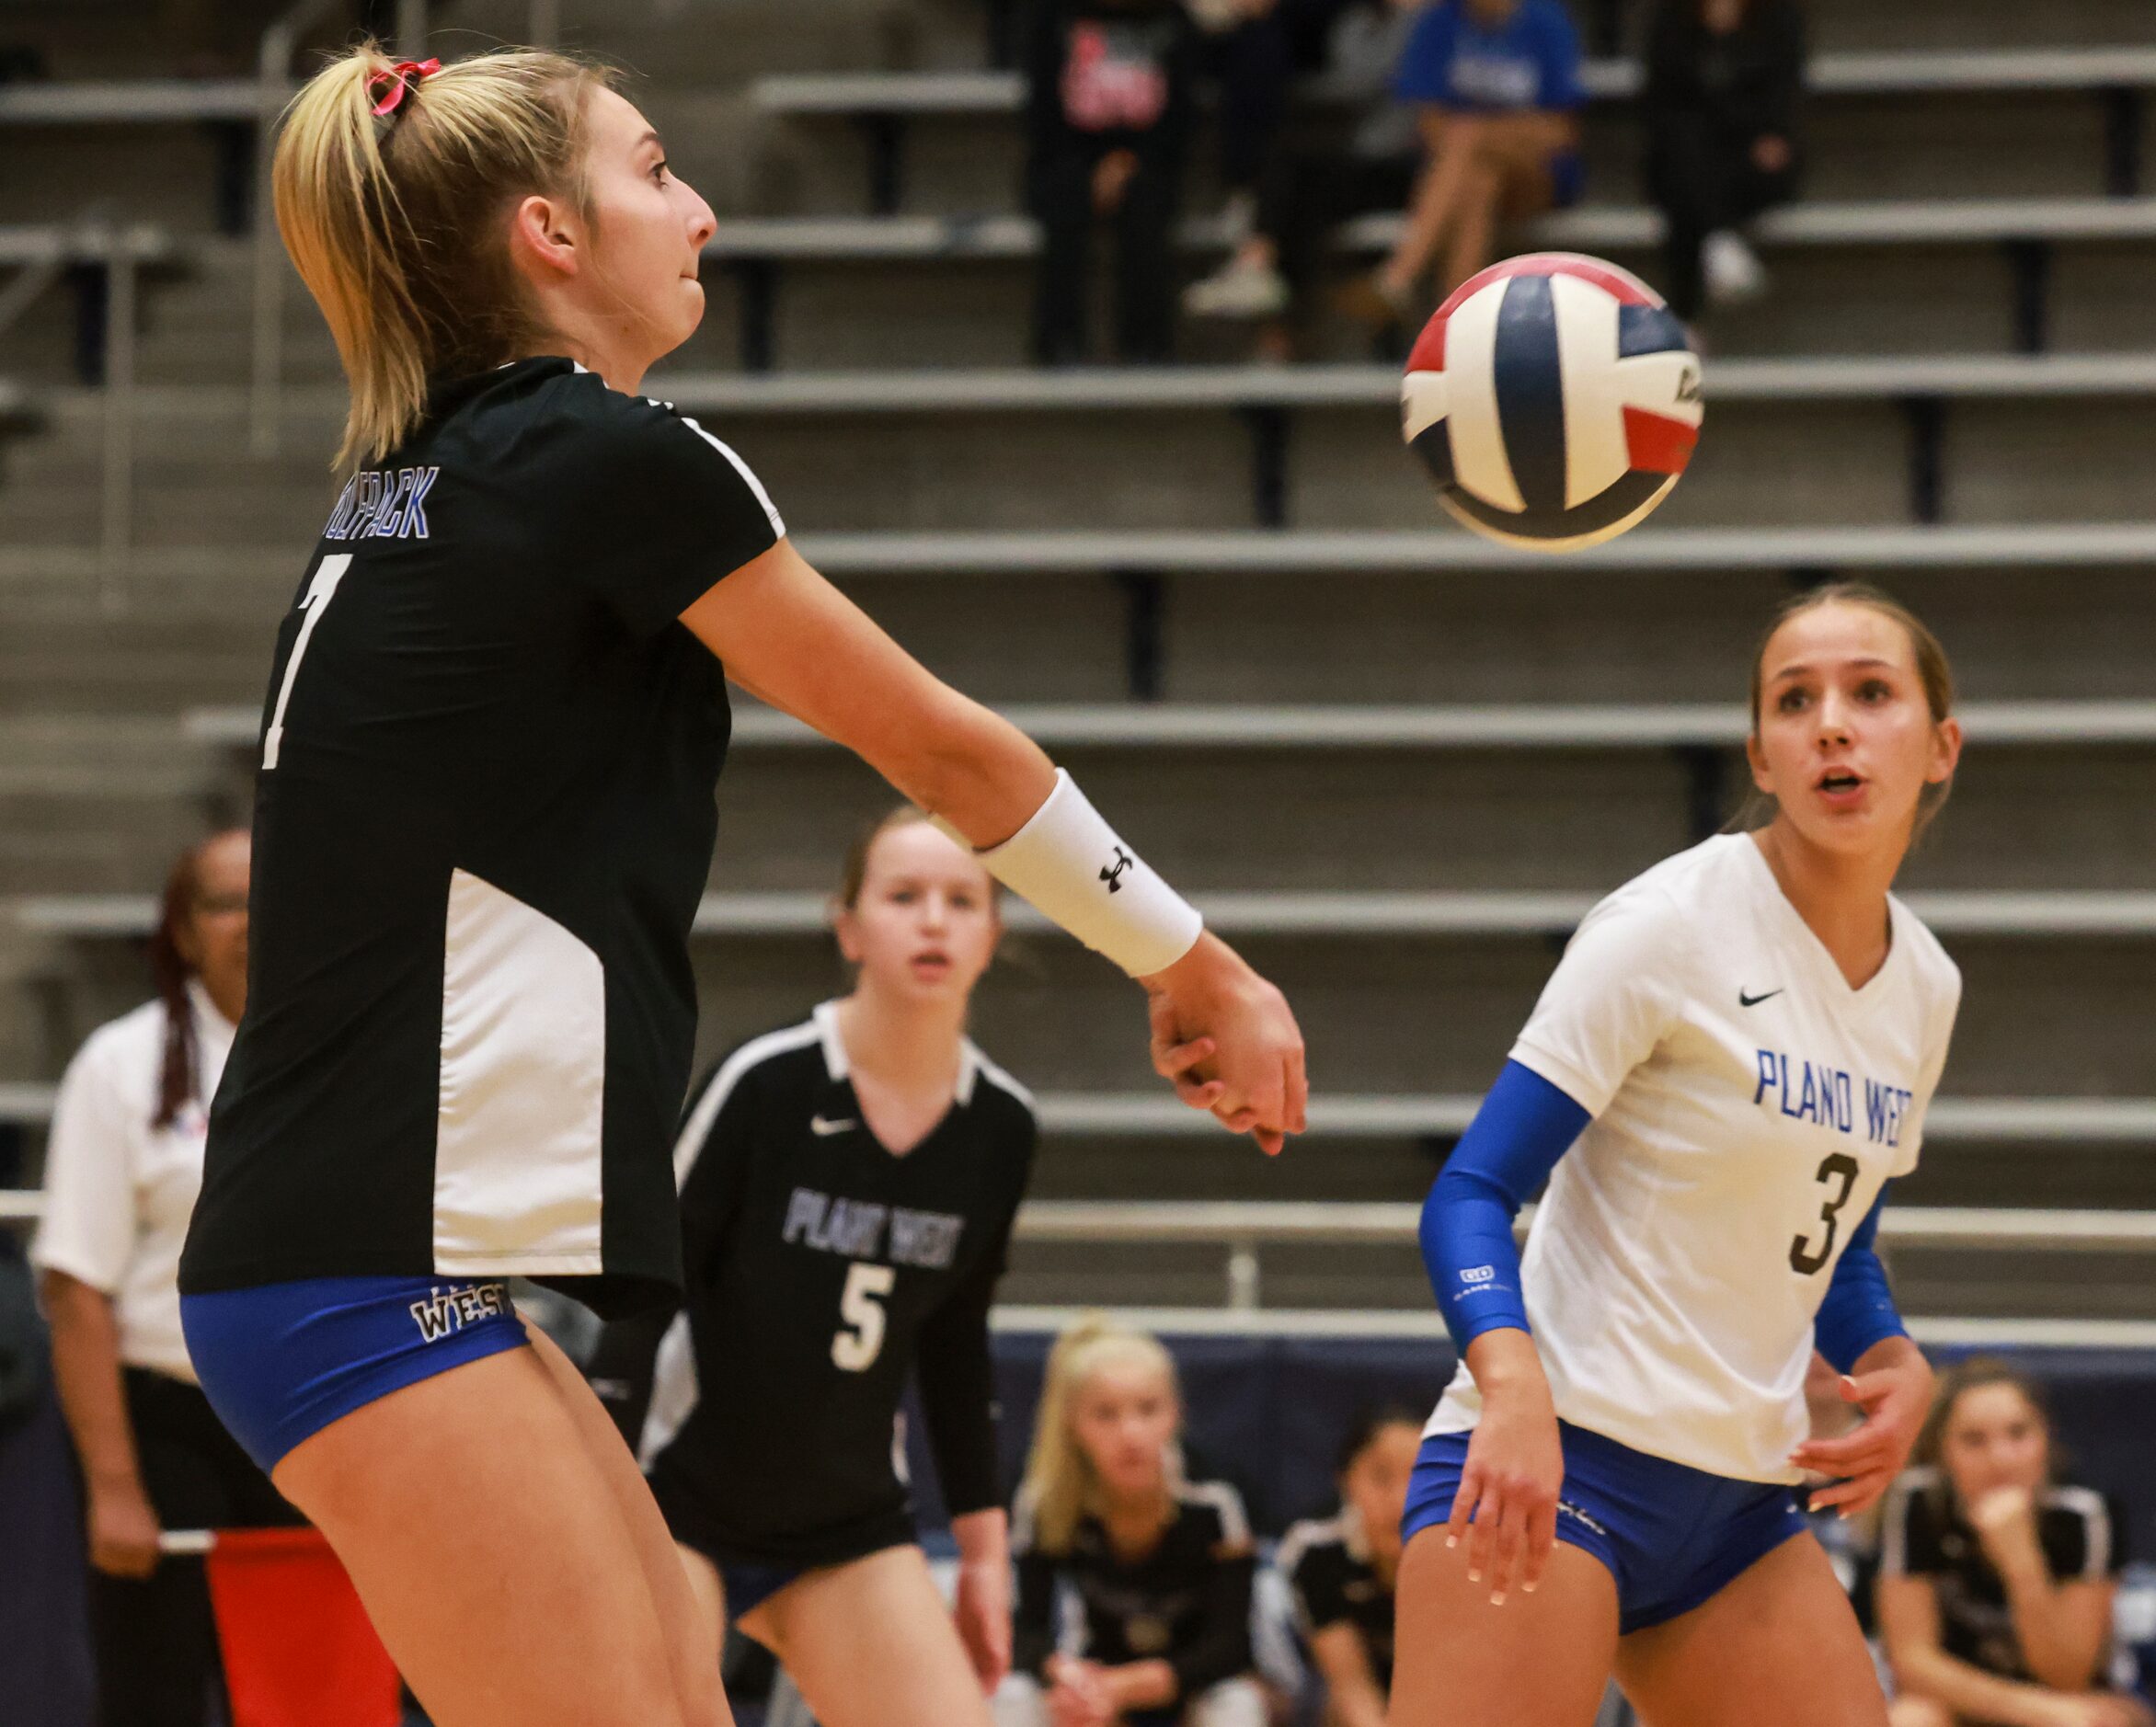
{"x": 1487, "y": 57}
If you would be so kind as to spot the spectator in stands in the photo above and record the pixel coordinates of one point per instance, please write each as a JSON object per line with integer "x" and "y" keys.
{"x": 1108, "y": 97}
{"x": 1300, "y": 194}
{"x": 1996, "y": 1582}
{"x": 1723, "y": 82}
{"x": 121, "y": 1173}
{"x": 1341, "y": 1570}
{"x": 1161, "y": 1566}
{"x": 1497, "y": 87}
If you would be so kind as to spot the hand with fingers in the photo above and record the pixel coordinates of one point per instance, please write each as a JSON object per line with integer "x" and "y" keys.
{"x": 1505, "y": 1509}
{"x": 1225, "y": 1040}
{"x": 1892, "y": 1387}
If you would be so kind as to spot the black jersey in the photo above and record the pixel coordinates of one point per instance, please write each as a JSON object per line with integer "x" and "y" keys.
{"x": 1186, "y": 1602}
{"x": 823, "y": 1271}
{"x": 483, "y": 821}
{"x": 1923, "y": 1534}
{"x": 1329, "y": 1572}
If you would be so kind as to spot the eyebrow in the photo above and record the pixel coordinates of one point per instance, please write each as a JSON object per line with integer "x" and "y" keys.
{"x": 650, "y": 138}
{"x": 1801, "y": 667}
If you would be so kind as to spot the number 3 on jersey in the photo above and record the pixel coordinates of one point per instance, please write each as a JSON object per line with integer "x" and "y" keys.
{"x": 860, "y": 1339}
{"x": 320, "y": 592}
{"x": 1805, "y": 1259}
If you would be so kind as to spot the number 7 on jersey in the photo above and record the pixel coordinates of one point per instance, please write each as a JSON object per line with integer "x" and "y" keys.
{"x": 320, "y": 592}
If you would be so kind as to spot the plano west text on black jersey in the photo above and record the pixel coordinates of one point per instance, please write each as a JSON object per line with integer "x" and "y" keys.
{"x": 823, "y": 1271}
{"x": 484, "y": 817}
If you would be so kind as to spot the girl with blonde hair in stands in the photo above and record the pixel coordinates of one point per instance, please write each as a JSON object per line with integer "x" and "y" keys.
{"x": 1732, "y": 1060}
{"x": 1161, "y": 1566}
{"x": 484, "y": 820}
{"x": 1996, "y": 1579}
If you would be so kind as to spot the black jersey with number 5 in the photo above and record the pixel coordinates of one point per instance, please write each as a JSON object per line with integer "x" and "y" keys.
{"x": 823, "y": 1271}
{"x": 484, "y": 817}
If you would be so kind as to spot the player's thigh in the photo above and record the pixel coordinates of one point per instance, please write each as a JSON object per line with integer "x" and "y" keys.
{"x": 691, "y": 1630}
{"x": 475, "y": 1528}
{"x": 1778, "y": 1646}
{"x": 1541, "y": 1660}
{"x": 871, "y": 1643}
{"x": 1919, "y": 1712}
{"x": 708, "y": 1587}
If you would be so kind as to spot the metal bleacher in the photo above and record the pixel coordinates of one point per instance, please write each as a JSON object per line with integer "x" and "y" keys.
{"x": 1220, "y": 592}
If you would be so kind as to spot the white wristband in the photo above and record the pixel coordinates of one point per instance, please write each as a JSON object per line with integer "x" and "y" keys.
{"x": 1070, "y": 865}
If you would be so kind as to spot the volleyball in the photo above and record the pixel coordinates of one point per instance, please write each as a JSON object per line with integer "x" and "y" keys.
{"x": 1554, "y": 400}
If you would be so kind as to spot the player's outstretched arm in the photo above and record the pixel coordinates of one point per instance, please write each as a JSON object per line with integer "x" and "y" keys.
{"x": 790, "y": 638}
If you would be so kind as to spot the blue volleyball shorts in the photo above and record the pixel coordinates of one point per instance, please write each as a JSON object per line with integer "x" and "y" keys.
{"x": 1671, "y": 1535}
{"x": 281, "y": 1361}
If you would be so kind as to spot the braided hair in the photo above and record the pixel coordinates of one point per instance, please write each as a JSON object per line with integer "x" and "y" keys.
{"x": 180, "y": 1080}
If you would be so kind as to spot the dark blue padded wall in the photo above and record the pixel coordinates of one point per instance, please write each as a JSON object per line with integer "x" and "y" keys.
{"x": 1269, "y": 1413}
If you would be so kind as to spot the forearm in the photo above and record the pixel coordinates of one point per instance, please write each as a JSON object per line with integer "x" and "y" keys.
{"x": 1352, "y": 1695}
{"x": 1141, "y": 1684}
{"x": 86, "y": 1365}
{"x": 1969, "y": 1691}
{"x": 2060, "y": 1644}
{"x": 983, "y": 1539}
{"x": 1505, "y": 1365}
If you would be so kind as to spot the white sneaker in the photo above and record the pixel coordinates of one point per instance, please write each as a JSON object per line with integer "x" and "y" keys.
{"x": 1733, "y": 270}
{"x": 1239, "y": 289}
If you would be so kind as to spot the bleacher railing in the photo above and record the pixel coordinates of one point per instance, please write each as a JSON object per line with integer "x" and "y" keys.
{"x": 1246, "y": 1227}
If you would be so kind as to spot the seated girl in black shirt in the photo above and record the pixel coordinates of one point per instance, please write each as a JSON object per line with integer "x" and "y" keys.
{"x": 1996, "y": 1582}
{"x": 1341, "y": 1569}
{"x": 1161, "y": 1566}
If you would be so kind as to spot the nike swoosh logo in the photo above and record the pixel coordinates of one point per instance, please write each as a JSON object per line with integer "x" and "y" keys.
{"x": 1753, "y": 1001}
{"x": 823, "y": 1129}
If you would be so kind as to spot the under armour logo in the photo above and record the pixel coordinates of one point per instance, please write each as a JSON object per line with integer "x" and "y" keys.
{"x": 1123, "y": 861}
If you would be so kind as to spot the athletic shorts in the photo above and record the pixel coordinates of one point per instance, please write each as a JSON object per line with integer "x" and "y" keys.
{"x": 281, "y": 1361}
{"x": 1670, "y": 1536}
{"x": 752, "y": 1578}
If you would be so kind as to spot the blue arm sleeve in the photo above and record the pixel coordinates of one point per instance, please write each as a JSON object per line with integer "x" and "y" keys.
{"x": 1859, "y": 1310}
{"x": 1524, "y": 1126}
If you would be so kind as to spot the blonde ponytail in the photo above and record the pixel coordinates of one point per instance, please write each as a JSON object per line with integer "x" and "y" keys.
{"x": 394, "y": 220}
{"x": 1059, "y": 1487}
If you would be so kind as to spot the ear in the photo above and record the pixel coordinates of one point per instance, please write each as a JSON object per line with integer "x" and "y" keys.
{"x": 847, "y": 928}
{"x": 546, "y": 237}
{"x": 1947, "y": 741}
{"x": 187, "y": 943}
{"x": 1756, "y": 758}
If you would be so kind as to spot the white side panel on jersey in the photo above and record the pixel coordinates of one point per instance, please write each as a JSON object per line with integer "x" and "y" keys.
{"x": 517, "y": 1172}
{"x": 673, "y": 1393}
{"x": 1479, "y": 461}
{"x": 1596, "y": 453}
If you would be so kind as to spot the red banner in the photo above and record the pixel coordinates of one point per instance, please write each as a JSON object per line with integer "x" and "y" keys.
{"x": 299, "y": 1648}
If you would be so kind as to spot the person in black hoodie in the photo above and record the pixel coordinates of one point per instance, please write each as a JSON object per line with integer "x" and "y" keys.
{"x": 1108, "y": 97}
{"x": 1724, "y": 83}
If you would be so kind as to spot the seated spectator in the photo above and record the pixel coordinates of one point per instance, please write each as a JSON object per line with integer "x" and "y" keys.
{"x": 1341, "y": 1570}
{"x": 1161, "y": 1567}
{"x": 1996, "y": 1582}
{"x": 1723, "y": 82}
{"x": 122, "y": 1170}
{"x": 1108, "y": 109}
{"x": 1496, "y": 84}
{"x": 1301, "y": 196}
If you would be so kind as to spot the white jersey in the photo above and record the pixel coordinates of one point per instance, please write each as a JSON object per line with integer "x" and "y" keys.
{"x": 118, "y": 1191}
{"x": 1748, "y": 1106}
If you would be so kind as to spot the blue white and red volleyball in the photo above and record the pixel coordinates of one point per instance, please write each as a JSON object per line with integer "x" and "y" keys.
{"x": 1554, "y": 400}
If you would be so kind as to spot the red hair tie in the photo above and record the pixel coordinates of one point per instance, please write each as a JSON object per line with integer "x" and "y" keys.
{"x": 400, "y": 81}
